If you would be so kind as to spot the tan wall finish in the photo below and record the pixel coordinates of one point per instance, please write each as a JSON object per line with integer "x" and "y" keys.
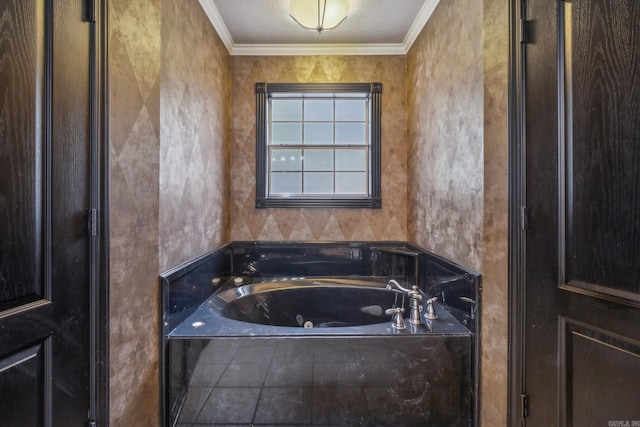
{"x": 388, "y": 223}
{"x": 445, "y": 105}
{"x": 169, "y": 177}
{"x": 456, "y": 204}
{"x": 134, "y": 62}
{"x": 495, "y": 310}
{"x": 194, "y": 144}
{"x": 458, "y": 166}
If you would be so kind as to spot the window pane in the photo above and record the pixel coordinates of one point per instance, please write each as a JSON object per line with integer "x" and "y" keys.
{"x": 318, "y": 133}
{"x": 286, "y": 183}
{"x": 362, "y": 95}
{"x": 318, "y": 160}
{"x": 286, "y": 160}
{"x": 350, "y": 133}
{"x": 318, "y": 183}
{"x": 286, "y": 133}
{"x": 276, "y": 95}
{"x": 287, "y": 110}
{"x": 351, "y": 160}
{"x": 316, "y": 137}
{"x": 351, "y": 183}
{"x": 351, "y": 110}
{"x": 318, "y": 110}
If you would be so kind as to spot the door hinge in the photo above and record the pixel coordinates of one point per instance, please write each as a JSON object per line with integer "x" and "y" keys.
{"x": 524, "y": 218}
{"x": 93, "y": 222}
{"x": 524, "y": 406}
{"x": 91, "y": 11}
{"x": 524, "y": 31}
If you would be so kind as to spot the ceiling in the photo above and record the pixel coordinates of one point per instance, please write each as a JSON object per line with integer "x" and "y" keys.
{"x": 263, "y": 27}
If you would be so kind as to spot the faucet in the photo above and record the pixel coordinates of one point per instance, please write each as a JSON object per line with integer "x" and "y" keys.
{"x": 414, "y": 298}
{"x": 397, "y": 320}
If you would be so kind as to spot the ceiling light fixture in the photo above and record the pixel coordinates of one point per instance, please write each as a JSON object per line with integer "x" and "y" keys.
{"x": 320, "y": 15}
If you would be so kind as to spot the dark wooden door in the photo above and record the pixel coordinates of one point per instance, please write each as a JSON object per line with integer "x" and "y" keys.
{"x": 44, "y": 198}
{"x": 580, "y": 327}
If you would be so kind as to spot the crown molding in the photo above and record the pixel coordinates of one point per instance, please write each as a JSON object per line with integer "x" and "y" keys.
{"x": 212, "y": 13}
{"x": 316, "y": 49}
{"x": 421, "y": 20}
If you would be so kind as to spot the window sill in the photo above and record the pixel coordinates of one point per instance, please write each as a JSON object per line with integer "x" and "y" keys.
{"x": 365, "y": 203}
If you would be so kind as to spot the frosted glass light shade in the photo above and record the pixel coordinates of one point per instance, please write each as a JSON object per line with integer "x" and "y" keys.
{"x": 319, "y": 15}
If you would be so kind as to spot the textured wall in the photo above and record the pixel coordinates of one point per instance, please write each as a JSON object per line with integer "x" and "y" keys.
{"x": 169, "y": 179}
{"x": 194, "y": 147}
{"x": 388, "y": 223}
{"x": 495, "y": 310}
{"x": 445, "y": 104}
{"x": 134, "y": 61}
{"x": 446, "y": 192}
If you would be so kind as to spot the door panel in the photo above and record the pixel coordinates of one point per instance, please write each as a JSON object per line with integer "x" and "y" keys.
{"x": 599, "y": 362}
{"x": 44, "y": 198}
{"x": 22, "y": 127}
{"x": 26, "y": 371}
{"x": 613, "y": 388}
{"x": 581, "y": 132}
{"x": 602, "y": 144}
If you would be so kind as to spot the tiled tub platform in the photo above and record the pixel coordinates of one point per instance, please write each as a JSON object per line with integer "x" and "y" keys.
{"x": 328, "y": 381}
{"x": 219, "y": 371}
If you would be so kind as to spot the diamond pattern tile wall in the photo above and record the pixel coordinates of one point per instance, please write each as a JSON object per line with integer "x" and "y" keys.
{"x": 194, "y": 145}
{"x": 134, "y": 62}
{"x": 495, "y": 265}
{"x": 312, "y": 224}
{"x": 445, "y": 122}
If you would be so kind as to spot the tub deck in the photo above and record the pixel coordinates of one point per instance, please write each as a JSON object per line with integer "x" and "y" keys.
{"x": 208, "y": 321}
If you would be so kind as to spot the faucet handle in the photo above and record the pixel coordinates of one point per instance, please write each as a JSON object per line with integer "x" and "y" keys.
{"x": 397, "y": 320}
{"x": 472, "y": 305}
{"x": 430, "y": 313}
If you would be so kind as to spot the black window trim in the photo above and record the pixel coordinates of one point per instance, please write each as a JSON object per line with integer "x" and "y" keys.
{"x": 374, "y": 201}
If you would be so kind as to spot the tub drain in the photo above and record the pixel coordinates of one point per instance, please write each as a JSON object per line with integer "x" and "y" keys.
{"x": 308, "y": 324}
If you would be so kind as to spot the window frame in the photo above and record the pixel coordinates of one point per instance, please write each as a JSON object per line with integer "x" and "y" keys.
{"x": 373, "y": 200}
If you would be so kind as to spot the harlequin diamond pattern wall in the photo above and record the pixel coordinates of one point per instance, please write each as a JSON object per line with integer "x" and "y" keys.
{"x": 249, "y": 223}
{"x": 134, "y": 92}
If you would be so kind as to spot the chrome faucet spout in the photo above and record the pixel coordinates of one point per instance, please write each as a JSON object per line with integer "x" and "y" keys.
{"x": 414, "y": 297}
{"x": 392, "y": 283}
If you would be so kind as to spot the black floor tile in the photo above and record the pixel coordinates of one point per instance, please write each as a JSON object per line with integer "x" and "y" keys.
{"x": 285, "y": 405}
{"x": 230, "y": 405}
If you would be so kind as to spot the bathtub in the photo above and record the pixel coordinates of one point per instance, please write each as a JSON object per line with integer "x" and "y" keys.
{"x": 285, "y": 333}
{"x": 319, "y": 351}
{"x": 307, "y": 306}
{"x": 308, "y": 303}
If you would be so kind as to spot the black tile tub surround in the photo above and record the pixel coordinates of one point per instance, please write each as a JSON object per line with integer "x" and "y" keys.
{"x": 188, "y": 380}
{"x": 455, "y": 285}
{"x": 187, "y": 286}
{"x": 392, "y": 380}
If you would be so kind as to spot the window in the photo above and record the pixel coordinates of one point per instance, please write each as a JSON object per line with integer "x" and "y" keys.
{"x": 318, "y": 145}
